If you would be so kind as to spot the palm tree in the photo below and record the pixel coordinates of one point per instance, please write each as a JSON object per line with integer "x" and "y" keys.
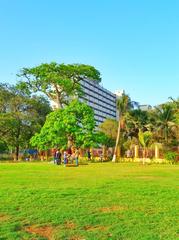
{"x": 145, "y": 140}
{"x": 124, "y": 104}
{"x": 165, "y": 121}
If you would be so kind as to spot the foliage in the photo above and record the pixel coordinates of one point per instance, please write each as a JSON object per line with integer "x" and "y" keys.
{"x": 124, "y": 105}
{"x": 145, "y": 138}
{"x": 3, "y": 146}
{"x": 165, "y": 122}
{"x": 107, "y": 132}
{"x": 109, "y": 128}
{"x": 20, "y": 116}
{"x": 137, "y": 120}
{"x": 74, "y": 122}
{"x": 58, "y": 81}
{"x": 171, "y": 156}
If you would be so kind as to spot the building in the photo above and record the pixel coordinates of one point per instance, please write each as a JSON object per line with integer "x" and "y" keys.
{"x": 145, "y": 107}
{"x": 100, "y": 99}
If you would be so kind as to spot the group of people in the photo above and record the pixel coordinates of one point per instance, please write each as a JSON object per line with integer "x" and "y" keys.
{"x": 68, "y": 157}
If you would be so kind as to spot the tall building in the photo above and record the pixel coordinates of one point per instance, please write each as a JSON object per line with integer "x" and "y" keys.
{"x": 100, "y": 99}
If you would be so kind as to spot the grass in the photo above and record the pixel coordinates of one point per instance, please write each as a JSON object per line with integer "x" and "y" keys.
{"x": 97, "y": 201}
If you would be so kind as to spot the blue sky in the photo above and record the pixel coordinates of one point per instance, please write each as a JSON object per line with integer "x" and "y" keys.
{"x": 134, "y": 44}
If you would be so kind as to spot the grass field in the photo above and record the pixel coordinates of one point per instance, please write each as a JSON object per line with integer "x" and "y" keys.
{"x": 97, "y": 201}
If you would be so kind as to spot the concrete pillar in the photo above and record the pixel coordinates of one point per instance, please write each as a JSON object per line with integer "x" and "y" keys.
{"x": 156, "y": 151}
{"x": 136, "y": 151}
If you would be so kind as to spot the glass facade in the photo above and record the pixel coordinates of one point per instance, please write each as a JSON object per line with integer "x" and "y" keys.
{"x": 100, "y": 99}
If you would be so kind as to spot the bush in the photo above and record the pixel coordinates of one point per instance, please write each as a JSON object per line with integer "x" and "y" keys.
{"x": 171, "y": 156}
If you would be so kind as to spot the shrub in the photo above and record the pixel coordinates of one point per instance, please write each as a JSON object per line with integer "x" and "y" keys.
{"x": 171, "y": 156}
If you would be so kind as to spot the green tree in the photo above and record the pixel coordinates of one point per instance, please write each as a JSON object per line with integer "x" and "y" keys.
{"x": 145, "y": 140}
{"x": 123, "y": 106}
{"x": 71, "y": 126}
{"x": 109, "y": 128}
{"x": 59, "y": 82}
{"x": 166, "y": 122}
{"x": 20, "y": 117}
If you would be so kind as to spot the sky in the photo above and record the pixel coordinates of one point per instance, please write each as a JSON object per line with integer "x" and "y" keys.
{"x": 134, "y": 44}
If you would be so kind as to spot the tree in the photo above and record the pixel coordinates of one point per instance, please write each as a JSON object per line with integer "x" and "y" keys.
{"x": 20, "y": 117}
{"x": 109, "y": 128}
{"x": 123, "y": 106}
{"x": 137, "y": 120}
{"x": 145, "y": 140}
{"x": 71, "y": 126}
{"x": 107, "y": 132}
{"x": 59, "y": 82}
{"x": 166, "y": 121}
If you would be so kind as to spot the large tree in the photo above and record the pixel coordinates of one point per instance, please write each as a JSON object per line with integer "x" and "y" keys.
{"x": 71, "y": 126}
{"x": 123, "y": 106}
{"x": 20, "y": 117}
{"x": 59, "y": 82}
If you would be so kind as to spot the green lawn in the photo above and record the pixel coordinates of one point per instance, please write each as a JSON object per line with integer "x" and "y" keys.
{"x": 98, "y": 201}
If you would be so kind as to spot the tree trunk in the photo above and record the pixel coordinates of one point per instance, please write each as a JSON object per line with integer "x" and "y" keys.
{"x": 58, "y": 97}
{"x": 59, "y": 105}
{"x": 104, "y": 152}
{"x": 144, "y": 155}
{"x": 70, "y": 141}
{"x": 81, "y": 152}
{"x": 117, "y": 142}
{"x": 17, "y": 153}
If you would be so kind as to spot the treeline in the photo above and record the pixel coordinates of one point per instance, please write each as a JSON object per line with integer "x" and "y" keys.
{"x": 27, "y": 120}
{"x": 155, "y": 128}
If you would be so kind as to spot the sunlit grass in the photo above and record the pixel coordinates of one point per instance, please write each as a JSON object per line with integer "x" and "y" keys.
{"x": 97, "y": 201}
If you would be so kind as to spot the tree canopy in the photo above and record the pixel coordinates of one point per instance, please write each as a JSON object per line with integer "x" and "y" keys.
{"x": 74, "y": 123}
{"x": 59, "y": 82}
{"x": 20, "y": 116}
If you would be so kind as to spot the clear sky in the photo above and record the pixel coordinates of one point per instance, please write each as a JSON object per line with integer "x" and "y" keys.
{"x": 133, "y": 43}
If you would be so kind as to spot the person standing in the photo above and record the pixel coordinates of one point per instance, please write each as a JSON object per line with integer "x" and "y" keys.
{"x": 58, "y": 157}
{"x": 65, "y": 157}
{"x": 54, "y": 157}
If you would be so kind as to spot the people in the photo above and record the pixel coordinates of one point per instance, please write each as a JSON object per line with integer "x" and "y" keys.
{"x": 58, "y": 157}
{"x": 65, "y": 157}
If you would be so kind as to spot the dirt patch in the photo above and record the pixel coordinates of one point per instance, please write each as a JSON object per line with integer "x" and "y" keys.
{"x": 111, "y": 209}
{"x": 70, "y": 225}
{"x": 94, "y": 228}
{"x": 43, "y": 231}
{"x": 77, "y": 238}
{"x": 4, "y": 217}
{"x": 148, "y": 177}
